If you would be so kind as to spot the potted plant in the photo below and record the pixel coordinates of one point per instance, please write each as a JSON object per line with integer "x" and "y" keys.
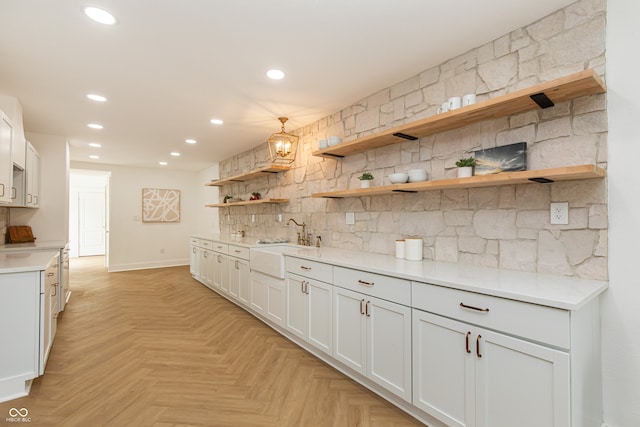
{"x": 227, "y": 198}
{"x": 465, "y": 167}
{"x": 255, "y": 196}
{"x": 365, "y": 180}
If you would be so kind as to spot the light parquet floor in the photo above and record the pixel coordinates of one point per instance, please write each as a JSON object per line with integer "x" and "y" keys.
{"x": 156, "y": 348}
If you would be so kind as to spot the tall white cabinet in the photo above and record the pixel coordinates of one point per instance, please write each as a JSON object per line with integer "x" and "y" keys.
{"x": 6, "y": 164}
{"x": 32, "y": 181}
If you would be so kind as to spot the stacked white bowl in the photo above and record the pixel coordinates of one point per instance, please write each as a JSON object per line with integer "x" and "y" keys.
{"x": 398, "y": 178}
{"x": 417, "y": 175}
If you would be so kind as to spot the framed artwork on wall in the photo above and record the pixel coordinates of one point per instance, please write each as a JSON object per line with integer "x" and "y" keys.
{"x": 160, "y": 205}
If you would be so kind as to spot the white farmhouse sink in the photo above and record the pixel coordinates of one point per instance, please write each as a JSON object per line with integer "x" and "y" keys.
{"x": 269, "y": 260}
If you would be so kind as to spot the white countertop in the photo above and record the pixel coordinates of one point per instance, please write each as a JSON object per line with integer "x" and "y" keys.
{"x": 33, "y": 246}
{"x": 22, "y": 261}
{"x": 566, "y": 293}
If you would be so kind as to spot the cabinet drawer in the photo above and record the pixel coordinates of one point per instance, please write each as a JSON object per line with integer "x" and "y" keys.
{"x": 221, "y": 248}
{"x": 310, "y": 269}
{"x": 206, "y": 243}
{"x": 193, "y": 241}
{"x": 534, "y": 322}
{"x": 377, "y": 285}
{"x": 239, "y": 252}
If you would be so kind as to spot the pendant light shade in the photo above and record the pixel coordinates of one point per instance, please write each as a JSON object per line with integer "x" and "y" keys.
{"x": 282, "y": 145}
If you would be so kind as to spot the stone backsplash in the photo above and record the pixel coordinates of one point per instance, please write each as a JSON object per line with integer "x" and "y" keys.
{"x": 507, "y": 226}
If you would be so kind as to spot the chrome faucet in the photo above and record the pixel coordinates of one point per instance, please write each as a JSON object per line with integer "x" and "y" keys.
{"x": 303, "y": 238}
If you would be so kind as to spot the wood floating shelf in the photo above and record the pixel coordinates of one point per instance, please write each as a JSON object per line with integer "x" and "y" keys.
{"x": 247, "y": 202}
{"x": 567, "y": 173}
{"x": 542, "y": 95}
{"x": 256, "y": 173}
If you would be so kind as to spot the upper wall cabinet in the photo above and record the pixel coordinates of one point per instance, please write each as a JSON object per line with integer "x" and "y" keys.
{"x": 13, "y": 109}
{"x": 6, "y": 164}
{"x": 543, "y": 95}
{"x": 32, "y": 184}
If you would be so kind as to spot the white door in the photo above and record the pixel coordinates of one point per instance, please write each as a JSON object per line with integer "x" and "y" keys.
{"x": 443, "y": 368}
{"x": 320, "y": 315}
{"x": 91, "y": 235}
{"x": 389, "y": 346}
{"x": 349, "y": 329}
{"x": 296, "y": 306}
{"x": 520, "y": 383}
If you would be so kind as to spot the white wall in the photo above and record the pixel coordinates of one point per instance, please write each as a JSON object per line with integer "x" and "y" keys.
{"x": 621, "y": 309}
{"x": 51, "y": 221}
{"x": 137, "y": 245}
{"x": 208, "y": 217}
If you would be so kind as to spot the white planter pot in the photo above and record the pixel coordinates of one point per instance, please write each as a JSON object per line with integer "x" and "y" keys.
{"x": 365, "y": 183}
{"x": 465, "y": 172}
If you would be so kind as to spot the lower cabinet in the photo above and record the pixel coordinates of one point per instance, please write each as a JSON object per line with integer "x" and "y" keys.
{"x": 239, "y": 274}
{"x": 194, "y": 258}
{"x": 373, "y": 337}
{"x": 309, "y": 311}
{"x": 205, "y": 267}
{"x": 267, "y": 297}
{"x": 469, "y": 376}
{"x": 221, "y": 273}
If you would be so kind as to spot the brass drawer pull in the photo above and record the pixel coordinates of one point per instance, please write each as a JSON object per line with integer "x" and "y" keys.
{"x": 361, "y": 309}
{"x": 305, "y": 267}
{"x": 478, "y": 346}
{"x": 470, "y": 307}
{"x": 466, "y": 338}
{"x": 362, "y": 282}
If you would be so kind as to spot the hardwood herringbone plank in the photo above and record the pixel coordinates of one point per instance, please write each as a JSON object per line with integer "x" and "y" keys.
{"x": 156, "y": 348}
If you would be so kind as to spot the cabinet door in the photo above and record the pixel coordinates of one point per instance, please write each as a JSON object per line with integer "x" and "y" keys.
{"x": 194, "y": 262}
{"x": 349, "y": 328}
{"x": 258, "y": 293}
{"x": 389, "y": 345}
{"x": 234, "y": 277}
{"x": 6, "y": 165}
{"x": 296, "y": 320}
{"x": 221, "y": 273}
{"x": 242, "y": 269}
{"x": 320, "y": 315}
{"x": 276, "y": 301}
{"x": 206, "y": 268}
{"x": 520, "y": 383}
{"x": 32, "y": 167}
{"x": 443, "y": 368}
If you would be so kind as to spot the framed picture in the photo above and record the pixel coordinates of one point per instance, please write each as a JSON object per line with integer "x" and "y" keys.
{"x": 160, "y": 205}
{"x": 512, "y": 157}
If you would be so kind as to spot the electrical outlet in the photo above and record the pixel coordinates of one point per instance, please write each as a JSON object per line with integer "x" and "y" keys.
{"x": 559, "y": 213}
{"x": 351, "y": 218}
{"x": 279, "y": 217}
{"x": 253, "y": 217}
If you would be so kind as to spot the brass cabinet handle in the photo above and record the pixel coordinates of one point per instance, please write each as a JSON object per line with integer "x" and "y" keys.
{"x": 305, "y": 267}
{"x": 361, "y": 308}
{"x": 478, "y": 346}
{"x": 466, "y": 344}
{"x": 237, "y": 251}
{"x": 366, "y": 309}
{"x": 306, "y": 288}
{"x": 35, "y": 200}
{"x": 50, "y": 274}
{"x": 29, "y": 198}
{"x": 237, "y": 265}
{"x": 470, "y": 307}
{"x": 362, "y": 282}
{"x": 204, "y": 254}
{"x": 2, "y": 195}
{"x": 14, "y": 193}
{"x": 219, "y": 259}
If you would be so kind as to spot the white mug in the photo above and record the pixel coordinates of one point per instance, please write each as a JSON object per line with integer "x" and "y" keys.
{"x": 444, "y": 107}
{"x": 468, "y": 99}
{"x": 455, "y": 103}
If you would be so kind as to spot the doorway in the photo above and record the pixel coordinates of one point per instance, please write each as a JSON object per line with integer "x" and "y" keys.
{"x": 88, "y": 213}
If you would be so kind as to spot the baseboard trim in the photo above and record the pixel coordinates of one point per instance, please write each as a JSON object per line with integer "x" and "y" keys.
{"x": 147, "y": 265}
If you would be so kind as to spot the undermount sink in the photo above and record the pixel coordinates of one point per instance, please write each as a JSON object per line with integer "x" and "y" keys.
{"x": 269, "y": 260}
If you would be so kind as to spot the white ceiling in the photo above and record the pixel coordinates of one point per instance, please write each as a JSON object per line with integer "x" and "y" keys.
{"x": 168, "y": 67}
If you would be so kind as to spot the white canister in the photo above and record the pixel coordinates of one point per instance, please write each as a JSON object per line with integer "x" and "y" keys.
{"x": 413, "y": 249}
{"x": 400, "y": 249}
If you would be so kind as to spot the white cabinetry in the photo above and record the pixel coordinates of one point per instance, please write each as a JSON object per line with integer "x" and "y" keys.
{"x": 499, "y": 362}
{"x": 373, "y": 335}
{"x": 32, "y": 184}
{"x": 194, "y": 258}
{"x": 267, "y": 297}
{"x": 239, "y": 273}
{"x": 49, "y": 303}
{"x": 6, "y": 164}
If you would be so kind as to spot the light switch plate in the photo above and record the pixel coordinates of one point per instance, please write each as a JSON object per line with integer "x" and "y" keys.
{"x": 559, "y": 213}
{"x": 351, "y": 218}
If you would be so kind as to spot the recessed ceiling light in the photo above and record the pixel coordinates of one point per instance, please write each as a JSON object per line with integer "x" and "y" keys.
{"x": 175, "y": 154}
{"x": 94, "y": 157}
{"x": 190, "y": 141}
{"x": 95, "y": 126}
{"x": 217, "y": 121}
{"x": 275, "y": 74}
{"x": 94, "y": 97}
{"x": 94, "y": 145}
{"x": 163, "y": 163}
{"x": 100, "y": 15}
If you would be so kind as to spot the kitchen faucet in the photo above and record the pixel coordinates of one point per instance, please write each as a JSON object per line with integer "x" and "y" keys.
{"x": 303, "y": 238}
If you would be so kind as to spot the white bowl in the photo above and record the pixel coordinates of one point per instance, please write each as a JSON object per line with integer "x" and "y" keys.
{"x": 334, "y": 140}
{"x": 398, "y": 178}
{"x": 417, "y": 175}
